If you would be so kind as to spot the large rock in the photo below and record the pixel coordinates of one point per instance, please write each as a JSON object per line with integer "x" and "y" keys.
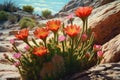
{"x": 111, "y": 50}
{"x": 21, "y": 14}
{"x": 100, "y": 72}
{"x": 73, "y": 4}
{"x": 105, "y": 21}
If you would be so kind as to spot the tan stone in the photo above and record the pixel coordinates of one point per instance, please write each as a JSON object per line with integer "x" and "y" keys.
{"x": 8, "y": 72}
{"x": 73, "y": 4}
{"x": 111, "y": 50}
{"x": 105, "y": 21}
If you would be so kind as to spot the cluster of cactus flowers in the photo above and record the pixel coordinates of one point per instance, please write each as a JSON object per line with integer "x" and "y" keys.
{"x": 62, "y": 55}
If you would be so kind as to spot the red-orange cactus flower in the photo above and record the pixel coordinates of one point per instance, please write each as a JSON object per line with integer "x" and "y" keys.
{"x": 23, "y": 34}
{"x": 40, "y": 51}
{"x": 83, "y": 12}
{"x": 72, "y": 30}
{"x": 41, "y": 33}
{"x": 53, "y": 25}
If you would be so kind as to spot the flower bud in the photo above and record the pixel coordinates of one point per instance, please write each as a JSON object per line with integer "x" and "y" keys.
{"x": 61, "y": 38}
{"x": 70, "y": 16}
{"x": 6, "y": 56}
{"x": 100, "y": 54}
{"x": 17, "y": 64}
{"x": 87, "y": 55}
{"x": 26, "y": 47}
{"x": 17, "y": 55}
{"x": 84, "y": 37}
{"x": 12, "y": 41}
{"x": 97, "y": 47}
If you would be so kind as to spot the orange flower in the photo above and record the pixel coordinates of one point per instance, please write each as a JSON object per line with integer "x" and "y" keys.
{"x": 39, "y": 51}
{"x": 72, "y": 30}
{"x": 41, "y": 33}
{"x": 83, "y": 12}
{"x": 53, "y": 25}
{"x": 23, "y": 34}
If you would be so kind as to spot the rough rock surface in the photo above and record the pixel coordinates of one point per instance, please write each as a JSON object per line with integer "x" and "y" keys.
{"x": 101, "y": 72}
{"x": 105, "y": 21}
{"x": 7, "y": 71}
{"x": 7, "y": 25}
{"x": 73, "y": 4}
{"x": 111, "y": 50}
{"x": 4, "y": 48}
{"x": 21, "y": 14}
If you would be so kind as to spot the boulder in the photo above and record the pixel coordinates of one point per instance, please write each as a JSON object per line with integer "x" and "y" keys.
{"x": 20, "y": 14}
{"x": 73, "y": 4}
{"x": 101, "y": 72}
{"x": 105, "y": 21}
{"x": 111, "y": 50}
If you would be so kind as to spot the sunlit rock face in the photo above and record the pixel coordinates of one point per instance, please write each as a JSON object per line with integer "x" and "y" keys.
{"x": 111, "y": 50}
{"x": 105, "y": 22}
{"x": 73, "y": 4}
